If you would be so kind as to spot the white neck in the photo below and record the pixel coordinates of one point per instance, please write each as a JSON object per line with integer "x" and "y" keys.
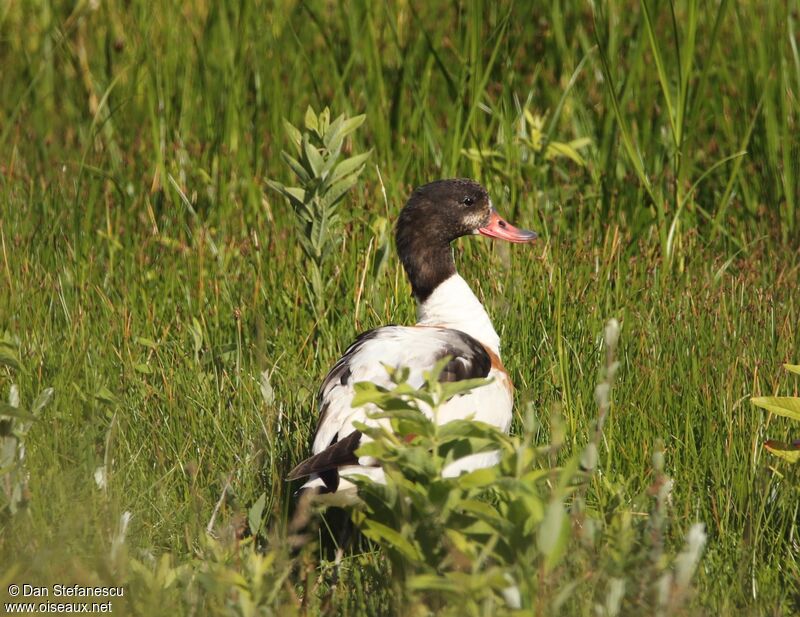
{"x": 453, "y": 305}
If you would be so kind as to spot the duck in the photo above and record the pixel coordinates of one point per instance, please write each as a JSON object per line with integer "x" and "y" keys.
{"x": 451, "y": 321}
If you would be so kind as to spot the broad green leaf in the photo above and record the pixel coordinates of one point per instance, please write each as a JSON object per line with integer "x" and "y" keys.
{"x": 311, "y": 120}
{"x": 15, "y": 412}
{"x": 105, "y": 395}
{"x": 553, "y": 533}
{"x": 475, "y": 154}
{"x": 295, "y": 136}
{"x": 453, "y": 388}
{"x": 787, "y": 451}
{"x": 13, "y": 395}
{"x": 338, "y": 189}
{"x": 332, "y": 137}
{"x": 479, "y": 478}
{"x": 9, "y": 357}
{"x": 391, "y": 538}
{"x": 535, "y": 475}
{"x": 296, "y": 196}
{"x": 376, "y": 449}
{"x": 468, "y": 429}
{"x": 461, "y": 542}
{"x": 295, "y": 166}
{"x": 348, "y": 126}
{"x": 254, "y": 515}
{"x": 44, "y": 398}
{"x": 589, "y": 457}
{"x": 324, "y": 173}
{"x": 557, "y": 148}
{"x": 792, "y": 368}
{"x": 146, "y": 342}
{"x": 482, "y": 528}
{"x": 787, "y": 406}
{"x": 350, "y": 165}
{"x": 482, "y": 509}
{"x": 434, "y": 582}
{"x": 267, "y": 391}
{"x": 313, "y": 157}
{"x": 197, "y": 336}
{"x": 323, "y": 120}
{"x": 579, "y": 143}
{"x": 367, "y": 392}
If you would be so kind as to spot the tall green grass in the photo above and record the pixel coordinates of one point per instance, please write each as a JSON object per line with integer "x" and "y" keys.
{"x": 153, "y": 283}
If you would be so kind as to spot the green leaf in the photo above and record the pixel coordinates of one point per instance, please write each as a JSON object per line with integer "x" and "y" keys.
{"x": 323, "y": 120}
{"x": 786, "y": 406}
{"x": 480, "y": 478}
{"x": 483, "y": 510}
{"x": 325, "y": 172}
{"x": 553, "y": 533}
{"x": 589, "y": 457}
{"x": 461, "y": 542}
{"x": 392, "y": 539}
{"x": 104, "y": 395}
{"x": 348, "y": 166}
{"x": 311, "y": 120}
{"x": 15, "y": 412}
{"x": 556, "y": 148}
{"x": 468, "y": 429}
{"x": 332, "y": 137}
{"x": 787, "y": 451}
{"x": 348, "y": 126}
{"x": 197, "y": 336}
{"x": 367, "y": 392}
{"x": 581, "y": 142}
{"x": 296, "y": 196}
{"x": 44, "y": 398}
{"x": 454, "y": 388}
{"x": 255, "y": 514}
{"x": 8, "y": 357}
{"x": 792, "y": 368}
{"x": 434, "y": 582}
{"x": 295, "y": 166}
{"x": 146, "y": 342}
{"x": 313, "y": 157}
{"x": 338, "y": 189}
{"x": 475, "y": 154}
{"x": 267, "y": 391}
{"x": 294, "y": 135}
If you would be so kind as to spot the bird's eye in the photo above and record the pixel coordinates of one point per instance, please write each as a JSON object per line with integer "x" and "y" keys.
{"x": 468, "y": 201}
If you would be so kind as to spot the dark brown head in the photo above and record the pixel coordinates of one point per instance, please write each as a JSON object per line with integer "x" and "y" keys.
{"x": 435, "y": 215}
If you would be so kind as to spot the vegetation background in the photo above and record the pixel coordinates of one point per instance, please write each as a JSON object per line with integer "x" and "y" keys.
{"x": 153, "y": 281}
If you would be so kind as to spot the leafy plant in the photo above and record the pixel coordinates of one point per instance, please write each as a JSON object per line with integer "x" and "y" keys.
{"x": 15, "y": 422}
{"x": 518, "y": 535}
{"x": 324, "y": 181}
{"x": 224, "y": 578}
{"x": 788, "y": 407}
{"x": 528, "y": 147}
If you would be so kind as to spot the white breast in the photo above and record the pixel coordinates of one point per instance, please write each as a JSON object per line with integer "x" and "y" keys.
{"x": 453, "y": 305}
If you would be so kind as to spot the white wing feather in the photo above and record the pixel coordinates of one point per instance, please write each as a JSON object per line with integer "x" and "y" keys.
{"x": 418, "y": 349}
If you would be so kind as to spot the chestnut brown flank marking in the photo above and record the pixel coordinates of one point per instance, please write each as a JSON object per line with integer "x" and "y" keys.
{"x": 497, "y": 364}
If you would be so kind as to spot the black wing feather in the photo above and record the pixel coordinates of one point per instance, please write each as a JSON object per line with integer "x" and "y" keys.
{"x": 337, "y": 455}
{"x": 468, "y": 359}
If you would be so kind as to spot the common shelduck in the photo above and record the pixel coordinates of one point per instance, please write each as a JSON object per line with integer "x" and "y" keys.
{"x": 451, "y": 321}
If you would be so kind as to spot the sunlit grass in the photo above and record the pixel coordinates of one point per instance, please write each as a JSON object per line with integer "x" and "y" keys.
{"x": 152, "y": 280}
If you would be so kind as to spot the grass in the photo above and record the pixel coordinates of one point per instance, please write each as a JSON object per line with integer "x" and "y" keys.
{"x": 152, "y": 281}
